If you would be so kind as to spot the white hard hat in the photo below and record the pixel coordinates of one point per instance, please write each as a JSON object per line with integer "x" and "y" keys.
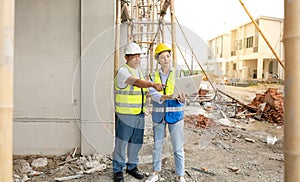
{"x": 133, "y": 48}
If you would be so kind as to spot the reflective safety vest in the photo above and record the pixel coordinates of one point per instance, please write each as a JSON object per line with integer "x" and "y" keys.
{"x": 170, "y": 111}
{"x": 131, "y": 99}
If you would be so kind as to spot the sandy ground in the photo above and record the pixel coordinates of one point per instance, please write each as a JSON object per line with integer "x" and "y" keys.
{"x": 239, "y": 150}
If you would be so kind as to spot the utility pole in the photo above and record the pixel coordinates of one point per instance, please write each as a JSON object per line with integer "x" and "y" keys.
{"x": 7, "y": 12}
{"x": 291, "y": 40}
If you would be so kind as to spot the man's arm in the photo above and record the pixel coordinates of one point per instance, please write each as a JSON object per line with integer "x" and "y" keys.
{"x": 143, "y": 84}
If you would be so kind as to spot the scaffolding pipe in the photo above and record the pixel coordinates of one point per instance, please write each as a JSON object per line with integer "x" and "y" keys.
{"x": 7, "y": 13}
{"x": 184, "y": 60}
{"x": 173, "y": 30}
{"x": 291, "y": 40}
{"x": 152, "y": 37}
{"x": 117, "y": 36}
{"x": 263, "y": 36}
{"x": 193, "y": 54}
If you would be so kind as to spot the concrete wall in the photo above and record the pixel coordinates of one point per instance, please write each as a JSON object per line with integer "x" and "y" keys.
{"x": 273, "y": 32}
{"x": 97, "y": 65}
{"x": 53, "y": 106}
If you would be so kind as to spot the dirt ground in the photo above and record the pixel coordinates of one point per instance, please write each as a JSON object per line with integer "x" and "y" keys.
{"x": 239, "y": 149}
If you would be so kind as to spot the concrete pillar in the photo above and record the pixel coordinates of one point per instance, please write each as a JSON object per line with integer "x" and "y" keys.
{"x": 266, "y": 69}
{"x": 260, "y": 63}
{"x": 245, "y": 73}
{"x": 7, "y": 14}
{"x": 223, "y": 63}
{"x": 291, "y": 41}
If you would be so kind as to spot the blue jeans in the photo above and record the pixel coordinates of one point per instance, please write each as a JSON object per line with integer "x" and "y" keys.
{"x": 177, "y": 140}
{"x": 129, "y": 133}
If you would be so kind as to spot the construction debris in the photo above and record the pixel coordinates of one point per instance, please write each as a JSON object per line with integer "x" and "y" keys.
{"x": 68, "y": 178}
{"x": 250, "y": 140}
{"x": 266, "y": 106}
{"x": 203, "y": 171}
{"x": 273, "y": 110}
{"x": 198, "y": 120}
{"x": 40, "y": 162}
{"x": 71, "y": 168}
{"x": 234, "y": 169}
{"x": 271, "y": 140}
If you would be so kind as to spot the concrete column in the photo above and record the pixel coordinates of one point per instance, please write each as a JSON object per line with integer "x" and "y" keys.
{"x": 231, "y": 70}
{"x": 291, "y": 41}
{"x": 223, "y": 67}
{"x": 97, "y": 76}
{"x": 7, "y": 14}
{"x": 260, "y": 63}
{"x": 266, "y": 69}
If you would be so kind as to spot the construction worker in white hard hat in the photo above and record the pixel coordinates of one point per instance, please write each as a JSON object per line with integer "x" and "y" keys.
{"x": 167, "y": 112}
{"x": 130, "y": 100}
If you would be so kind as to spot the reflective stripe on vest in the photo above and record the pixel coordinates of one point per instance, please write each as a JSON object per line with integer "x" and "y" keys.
{"x": 130, "y": 100}
{"x": 170, "y": 110}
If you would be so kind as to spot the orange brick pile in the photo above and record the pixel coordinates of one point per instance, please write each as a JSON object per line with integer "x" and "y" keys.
{"x": 197, "y": 120}
{"x": 273, "y": 111}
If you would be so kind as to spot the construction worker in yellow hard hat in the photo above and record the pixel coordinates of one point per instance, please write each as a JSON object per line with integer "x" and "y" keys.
{"x": 167, "y": 111}
{"x": 161, "y": 48}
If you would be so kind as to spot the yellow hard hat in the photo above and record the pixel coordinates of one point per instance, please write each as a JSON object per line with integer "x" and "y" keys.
{"x": 161, "y": 48}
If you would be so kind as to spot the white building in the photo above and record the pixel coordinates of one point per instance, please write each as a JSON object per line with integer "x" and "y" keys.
{"x": 243, "y": 54}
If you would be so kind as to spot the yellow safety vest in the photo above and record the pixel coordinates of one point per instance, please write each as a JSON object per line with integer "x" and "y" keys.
{"x": 169, "y": 90}
{"x": 170, "y": 111}
{"x": 131, "y": 99}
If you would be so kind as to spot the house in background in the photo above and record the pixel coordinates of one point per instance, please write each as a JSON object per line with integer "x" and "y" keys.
{"x": 243, "y": 54}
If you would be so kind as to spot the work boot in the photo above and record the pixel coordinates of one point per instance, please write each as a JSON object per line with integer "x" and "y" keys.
{"x": 135, "y": 173}
{"x": 118, "y": 177}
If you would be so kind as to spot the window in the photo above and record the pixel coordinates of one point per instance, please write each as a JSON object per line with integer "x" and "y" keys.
{"x": 249, "y": 42}
{"x": 234, "y": 66}
{"x": 238, "y": 44}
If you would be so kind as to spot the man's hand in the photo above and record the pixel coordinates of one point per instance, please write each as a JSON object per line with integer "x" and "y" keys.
{"x": 145, "y": 84}
{"x": 158, "y": 86}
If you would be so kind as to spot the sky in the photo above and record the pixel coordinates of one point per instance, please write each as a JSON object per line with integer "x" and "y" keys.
{"x": 210, "y": 18}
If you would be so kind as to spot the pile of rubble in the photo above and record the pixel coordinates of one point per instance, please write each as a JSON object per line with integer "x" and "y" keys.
{"x": 60, "y": 168}
{"x": 269, "y": 106}
{"x": 198, "y": 120}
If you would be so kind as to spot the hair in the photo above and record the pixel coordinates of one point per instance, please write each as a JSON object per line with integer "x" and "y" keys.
{"x": 156, "y": 56}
